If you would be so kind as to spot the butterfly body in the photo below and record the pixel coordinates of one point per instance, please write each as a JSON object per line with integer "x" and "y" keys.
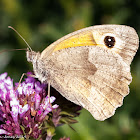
{"x": 90, "y": 67}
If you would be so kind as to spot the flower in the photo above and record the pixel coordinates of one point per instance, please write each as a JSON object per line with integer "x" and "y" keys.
{"x": 23, "y": 107}
{"x": 27, "y": 111}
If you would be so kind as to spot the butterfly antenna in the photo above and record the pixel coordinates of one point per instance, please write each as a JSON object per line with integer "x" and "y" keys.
{"x": 9, "y": 50}
{"x": 20, "y": 36}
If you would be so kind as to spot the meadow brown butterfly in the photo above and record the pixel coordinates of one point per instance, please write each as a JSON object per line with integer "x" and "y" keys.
{"x": 90, "y": 67}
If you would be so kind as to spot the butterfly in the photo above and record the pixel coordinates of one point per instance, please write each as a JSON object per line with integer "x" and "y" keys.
{"x": 90, "y": 67}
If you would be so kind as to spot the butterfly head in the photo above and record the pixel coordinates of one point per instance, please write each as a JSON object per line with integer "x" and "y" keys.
{"x": 32, "y": 56}
{"x": 38, "y": 66}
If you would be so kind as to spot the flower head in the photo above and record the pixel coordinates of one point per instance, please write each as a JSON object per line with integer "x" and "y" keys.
{"x": 26, "y": 110}
{"x": 24, "y": 104}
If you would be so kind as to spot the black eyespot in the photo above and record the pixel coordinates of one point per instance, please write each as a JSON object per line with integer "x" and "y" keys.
{"x": 109, "y": 41}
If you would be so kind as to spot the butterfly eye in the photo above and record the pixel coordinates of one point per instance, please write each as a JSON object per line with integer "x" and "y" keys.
{"x": 109, "y": 41}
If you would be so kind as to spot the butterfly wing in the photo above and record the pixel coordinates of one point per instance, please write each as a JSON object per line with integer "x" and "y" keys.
{"x": 88, "y": 73}
{"x": 92, "y": 77}
{"x": 126, "y": 44}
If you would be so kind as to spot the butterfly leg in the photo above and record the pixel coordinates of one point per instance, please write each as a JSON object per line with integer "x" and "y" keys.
{"x": 49, "y": 85}
{"x": 22, "y": 78}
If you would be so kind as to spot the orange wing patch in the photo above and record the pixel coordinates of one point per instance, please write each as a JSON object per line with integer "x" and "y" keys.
{"x": 82, "y": 39}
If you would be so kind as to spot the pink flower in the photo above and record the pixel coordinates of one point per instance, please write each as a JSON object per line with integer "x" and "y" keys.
{"x": 23, "y": 105}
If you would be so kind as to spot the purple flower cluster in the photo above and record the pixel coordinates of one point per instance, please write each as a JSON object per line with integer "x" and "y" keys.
{"x": 23, "y": 107}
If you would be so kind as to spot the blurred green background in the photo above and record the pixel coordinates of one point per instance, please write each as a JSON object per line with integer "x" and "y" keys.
{"x": 41, "y": 22}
